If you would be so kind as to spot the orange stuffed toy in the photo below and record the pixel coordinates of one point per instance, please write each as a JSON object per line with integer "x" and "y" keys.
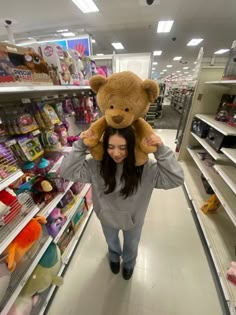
{"x": 23, "y": 242}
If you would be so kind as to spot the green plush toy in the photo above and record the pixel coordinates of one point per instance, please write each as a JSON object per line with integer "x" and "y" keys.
{"x": 45, "y": 273}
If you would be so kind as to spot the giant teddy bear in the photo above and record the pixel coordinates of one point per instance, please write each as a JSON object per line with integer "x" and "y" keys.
{"x": 124, "y": 99}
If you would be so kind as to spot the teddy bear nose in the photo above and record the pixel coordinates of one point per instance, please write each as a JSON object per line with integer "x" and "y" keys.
{"x": 117, "y": 119}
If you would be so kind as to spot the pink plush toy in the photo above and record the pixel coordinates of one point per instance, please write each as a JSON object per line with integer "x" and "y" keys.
{"x": 231, "y": 273}
{"x": 23, "y": 305}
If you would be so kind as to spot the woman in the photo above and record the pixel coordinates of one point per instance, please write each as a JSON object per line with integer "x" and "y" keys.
{"x": 122, "y": 191}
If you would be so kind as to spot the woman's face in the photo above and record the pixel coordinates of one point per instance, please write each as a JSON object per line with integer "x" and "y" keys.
{"x": 117, "y": 148}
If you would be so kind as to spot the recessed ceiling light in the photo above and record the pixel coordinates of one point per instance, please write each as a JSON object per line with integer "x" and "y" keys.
{"x": 86, "y": 6}
{"x": 178, "y": 71}
{"x": 157, "y": 52}
{"x": 169, "y": 66}
{"x": 195, "y": 41}
{"x": 164, "y": 70}
{"x": 117, "y": 45}
{"x": 68, "y": 34}
{"x": 155, "y": 63}
{"x": 62, "y": 31}
{"x": 221, "y": 51}
{"x": 99, "y": 54}
{"x": 177, "y": 58}
{"x": 185, "y": 68}
{"x": 93, "y": 41}
{"x": 164, "y": 26}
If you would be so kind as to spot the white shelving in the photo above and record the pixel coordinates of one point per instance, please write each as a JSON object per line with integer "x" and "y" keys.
{"x": 222, "y": 82}
{"x": 231, "y": 153}
{"x": 4, "y": 183}
{"x": 41, "y": 88}
{"x": 228, "y": 173}
{"x": 218, "y": 125}
{"x": 216, "y": 156}
{"x": 22, "y": 273}
{"x": 11, "y": 230}
{"x": 218, "y": 229}
{"x": 48, "y": 208}
{"x": 223, "y": 192}
{"x": 69, "y": 214}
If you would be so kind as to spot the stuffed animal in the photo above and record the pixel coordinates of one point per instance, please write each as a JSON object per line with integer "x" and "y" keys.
{"x": 123, "y": 98}
{"x": 55, "y": 221}
{"x": 231, "y": 273}
{"x": 43, "y": 191}
{"x": 34, "y": 62}
{"x": 45, "y": 273}
{"x": 9, "y": 206}
{"x": 23, "y": 242}
{"x": 23, "y": 305}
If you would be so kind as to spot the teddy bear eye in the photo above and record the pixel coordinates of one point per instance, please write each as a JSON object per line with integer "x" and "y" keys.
{"x": 127, "y": 110}
{"x": 111, "y": 107}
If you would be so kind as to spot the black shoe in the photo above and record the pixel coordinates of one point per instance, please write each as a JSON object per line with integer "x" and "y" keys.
{"x": 127, "y": 273}
{"x": 115, "y": 267}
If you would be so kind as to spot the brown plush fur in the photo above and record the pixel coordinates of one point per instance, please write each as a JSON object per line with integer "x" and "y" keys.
{"x": 123, "y": 98}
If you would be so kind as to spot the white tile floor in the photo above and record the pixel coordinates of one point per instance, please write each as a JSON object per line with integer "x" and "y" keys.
{"x": 171, "y": 277}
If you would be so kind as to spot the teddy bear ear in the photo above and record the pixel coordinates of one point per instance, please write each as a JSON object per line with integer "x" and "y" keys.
{"x": 151, "y": 88}
{"x": 96, "y": 82}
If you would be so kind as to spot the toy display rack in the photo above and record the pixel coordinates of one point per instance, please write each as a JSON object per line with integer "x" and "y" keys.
{"x": 9, "y": 232}
{"x": 46, "y": 296}
{"x": 218, "y": 228}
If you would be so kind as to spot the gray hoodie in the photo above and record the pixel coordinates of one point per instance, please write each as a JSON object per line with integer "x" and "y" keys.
{"x": 112, "y": 209}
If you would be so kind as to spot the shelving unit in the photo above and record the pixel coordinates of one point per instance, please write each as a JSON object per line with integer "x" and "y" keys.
{"x": 216, "y": 156}
{"x": 218, "y": 227}
{"x": 23, "y": 271}
{"x": 40, "y": 88}
{"x": 4, "y": 183}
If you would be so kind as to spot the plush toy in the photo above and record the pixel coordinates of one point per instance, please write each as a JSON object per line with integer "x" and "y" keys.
{"x": 55, "y": 221}
{"x": 5, "y": 276}
{"x": 123, "y": 98}
{"x": 23, "y": 242}
{"x": 45, "y": 273}
{"x": 9, "y": 206}
{"x": 34, "y": 62}
{"x": 43, "y": 191}
{"x": 23, "y": 305}
{"x": 231, "y": 273}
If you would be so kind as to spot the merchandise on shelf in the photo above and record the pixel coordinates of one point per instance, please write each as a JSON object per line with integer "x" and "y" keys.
{"x": 23, "y": 305}
{"x": 67, "y": 202}
{"x": 227, "y": 110}
{"x": 5, "y": 276}
{"x": 230, "y": 68}
{"x": 50, "y": 141}
{"x": 43, "y": 190}
{"x": 27, "y": 148}
{"x": 66, "y": 237}
{"x": 62, "y": 133}
{"x": 212, "y": 204}
{"x": 19, "y": 65}
{"x": 217, "y": 140}
{"x": 44, "y": 166}
{"x": 77, "y": 188}
{"x": 23, "y": 242}
{"x": 89, "y": 198}
{"x": 55, "y": 221}
{"x": 67, "y": 105}
{"x": 200, "y": 128}
{"x": 7, "y": 162}
{"x": 45, "y": 273}
{"x": 79, "y": 215}
{"x": 9, "y": 206}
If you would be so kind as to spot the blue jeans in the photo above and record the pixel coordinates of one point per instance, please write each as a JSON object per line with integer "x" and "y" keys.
{"x": 130, "y": 246}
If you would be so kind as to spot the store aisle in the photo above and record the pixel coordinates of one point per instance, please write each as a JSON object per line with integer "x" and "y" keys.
{"x": 171, "y": 277}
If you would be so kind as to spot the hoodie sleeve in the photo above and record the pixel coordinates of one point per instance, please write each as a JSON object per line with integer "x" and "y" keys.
{"x": 166, "y": 171}
{"x": 74, "y": 166}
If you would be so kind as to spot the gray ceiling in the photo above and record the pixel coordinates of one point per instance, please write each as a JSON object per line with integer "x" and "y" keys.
{"x": 130, "y": 22}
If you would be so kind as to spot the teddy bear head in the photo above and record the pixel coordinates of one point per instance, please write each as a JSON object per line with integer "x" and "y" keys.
{"x": 123, "y": 97}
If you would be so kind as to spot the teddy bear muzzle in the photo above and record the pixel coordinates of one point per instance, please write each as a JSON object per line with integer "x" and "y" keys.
{"x": 118, "y": 119}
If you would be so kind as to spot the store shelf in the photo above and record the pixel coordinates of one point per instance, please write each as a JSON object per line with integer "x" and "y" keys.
{"x": 218, "y": 229}
{"x": 10, "y": 179}
{"x": 223, "y": 82}
{"x": 231, "y": 153}
{"x": 23, "y": 271}
{"x": 216, "y": 156}
{"x": 45, "y": 297}
{"x": 218, "y": 125}
{"x": 71, "y": 247}
{"x": 41, "y": 88}
{"x": 48, "y": 208}
{"x": 69, "y": 214}
{"x": 223, "y": 192}
{"x": 228, "y": 173}
{"x": 10, "y": 231}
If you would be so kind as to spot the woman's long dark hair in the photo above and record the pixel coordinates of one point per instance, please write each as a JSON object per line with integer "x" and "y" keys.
{"x": 131, "y": 175}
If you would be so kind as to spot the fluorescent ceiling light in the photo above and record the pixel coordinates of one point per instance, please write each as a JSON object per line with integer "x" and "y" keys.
{"x": 61, "y": 31}
{"x": 68, "y": 34}
{"x": 169, "y": 66}
{"x": 117, "y": 45}
{"x": 86, "y": 6}
{"x": 178, "y": 71}
{"x": 185, "y": 68}
{"x": 177, "y": 58}
{"x": 155, "y": 63}
{"x": 99, "y": 54}
{"x": 153, "y": 68}
{"x": 157, "y": 52}
{"x": 221, "y": 51}
{"x": 164, "y": 26}
{"x": 93, "y": 41}
{"x": 164, "y": 70}
{"x": 161, "y": 72}
{"x": 195, "y": 41}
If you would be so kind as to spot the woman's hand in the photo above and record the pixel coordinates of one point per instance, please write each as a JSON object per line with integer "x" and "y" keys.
{"x": 87, "y": 134}
{"x": 154, "y": 140}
